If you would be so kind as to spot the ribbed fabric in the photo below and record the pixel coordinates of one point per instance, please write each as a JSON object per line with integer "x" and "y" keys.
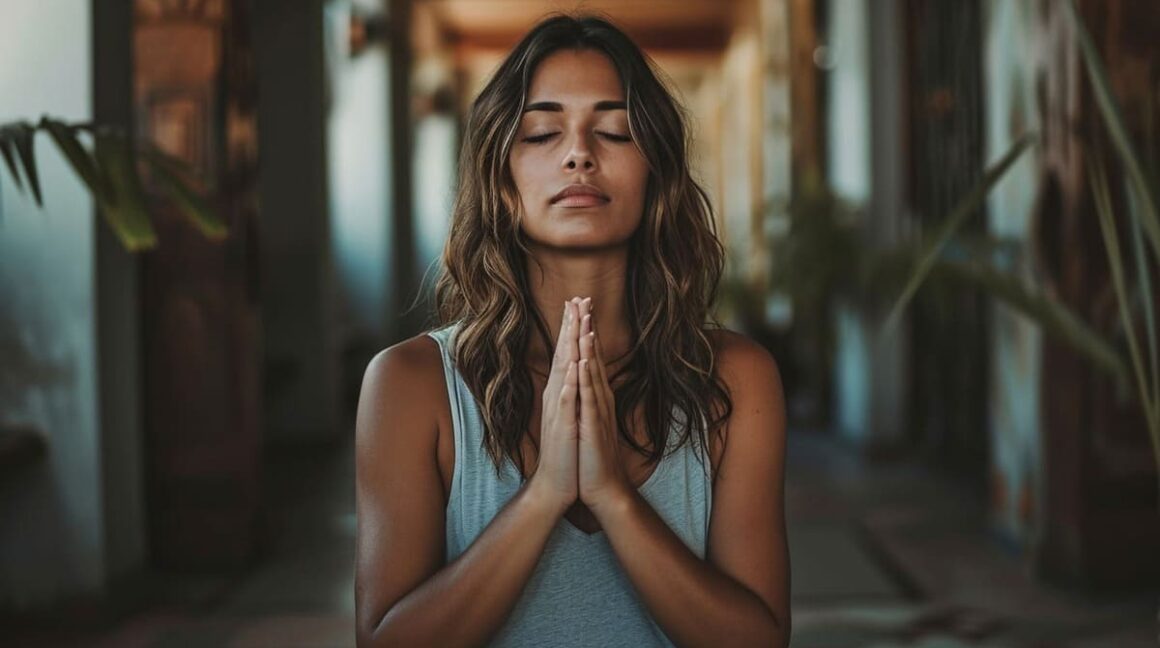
{"x": 578, "y": 594}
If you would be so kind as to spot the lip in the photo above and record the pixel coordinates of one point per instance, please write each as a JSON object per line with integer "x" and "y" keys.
{"x": 579, "y": 195}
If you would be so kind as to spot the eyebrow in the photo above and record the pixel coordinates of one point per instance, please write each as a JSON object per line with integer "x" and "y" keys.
{"x": 554, "y": 106}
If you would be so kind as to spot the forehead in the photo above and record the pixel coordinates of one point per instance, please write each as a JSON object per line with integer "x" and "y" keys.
{"x": 575, "y": 76}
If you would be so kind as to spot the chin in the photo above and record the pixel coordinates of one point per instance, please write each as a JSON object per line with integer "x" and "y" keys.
{"x": 579, "y": 235}
{"x": 576, "y": 242}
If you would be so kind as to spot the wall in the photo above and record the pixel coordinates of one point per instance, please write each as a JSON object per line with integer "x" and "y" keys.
{"x": 740, "y": 151}
{"x": 301, "y": 356}
{"x": 434, "y": 146}
{"x": 359, "y": 160}
{"x": 866, "y": 135}
{"x": 52, "y": 539}
{"x": 1010, "y": 59}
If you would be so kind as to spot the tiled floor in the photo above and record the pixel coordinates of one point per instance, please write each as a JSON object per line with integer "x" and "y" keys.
{"x": 927, "y": 534}
{"x": 882, "y": 556}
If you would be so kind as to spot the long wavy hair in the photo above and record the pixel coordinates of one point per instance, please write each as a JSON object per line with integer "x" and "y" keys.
{"x": 674, "y": 263}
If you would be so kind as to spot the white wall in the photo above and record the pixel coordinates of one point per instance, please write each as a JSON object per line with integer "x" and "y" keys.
{"x": 51, "y": 518}
{"x": 865, "y": 130}
{"x": 359, "y": 156}
{"x": 1011, "y": 57}
{"x": 435, "y": 151}
{"x": 848, "y": 111}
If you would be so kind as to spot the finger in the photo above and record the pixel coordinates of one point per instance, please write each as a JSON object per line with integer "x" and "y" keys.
{"x": 586, "y": 337}
{"x": 564, "y": 320}
{"x": 568, "y": 392}
{"x": 589, "y": 354}
{"x": 598, "y": 353}
{"x": 559, "y": 356}
{"x": 588, "y": 411}
{"x": 574, "y": 330}
{"x": 602, "y": 374}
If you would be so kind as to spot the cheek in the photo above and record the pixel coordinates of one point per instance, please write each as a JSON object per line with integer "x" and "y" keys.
{"x": 529, "y": 176}
{"x": 519, "y": 170}
{"x": 634, "y": 180}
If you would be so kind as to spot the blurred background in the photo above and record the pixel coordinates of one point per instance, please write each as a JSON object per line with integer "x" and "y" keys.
{"x": 941, "y": 218}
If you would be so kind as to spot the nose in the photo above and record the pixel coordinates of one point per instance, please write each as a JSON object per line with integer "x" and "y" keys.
{"x": 579, "y": 155}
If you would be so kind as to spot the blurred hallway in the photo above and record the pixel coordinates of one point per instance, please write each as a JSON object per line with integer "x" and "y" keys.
{"x": 175, "y": 442}
{"x": 884, "y": 554}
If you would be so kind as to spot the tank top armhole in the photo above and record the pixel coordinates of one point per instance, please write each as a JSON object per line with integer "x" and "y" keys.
{"x": 442, "y": 338}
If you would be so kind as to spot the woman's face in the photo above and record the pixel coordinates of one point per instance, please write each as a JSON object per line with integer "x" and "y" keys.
{"x": 580, "y": 177}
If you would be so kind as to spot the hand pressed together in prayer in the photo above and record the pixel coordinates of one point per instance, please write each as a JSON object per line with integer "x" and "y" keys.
{"x": 601, "y": 474}
{"x": 579, "y": 439}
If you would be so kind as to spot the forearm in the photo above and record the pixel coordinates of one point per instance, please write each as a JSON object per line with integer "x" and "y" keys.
{"x": 693, "y": 601}
{"x": 468, "y": 600}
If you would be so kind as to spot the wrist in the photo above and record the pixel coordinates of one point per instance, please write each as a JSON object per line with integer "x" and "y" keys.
{"x": 613, "y": 505}
{"x": 544, "y": 499}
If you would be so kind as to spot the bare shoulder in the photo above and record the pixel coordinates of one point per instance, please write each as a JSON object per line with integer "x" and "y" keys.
{"x": 744, "y": 365}
{"x": 404, "y": 379}
{"x": 416, "y": 356}
{"x": 750, "y": 375}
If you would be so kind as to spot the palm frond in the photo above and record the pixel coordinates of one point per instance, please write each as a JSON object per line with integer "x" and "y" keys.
{"x": 1118, "y": 131}
{"x": 1052, "y": 316}
{"x": 191, "y": 204}
{"x": 965, "y": 207}
{"x": 125, "y": 211}
{"x": 21, "y": 134}
{"x": 110, "y": 173}
{"x": 1098, "y": 177}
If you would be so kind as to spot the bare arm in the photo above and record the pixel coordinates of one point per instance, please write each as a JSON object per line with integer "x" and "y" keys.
{"x": 740, "y": 593}
{"x": 405, "y": 594}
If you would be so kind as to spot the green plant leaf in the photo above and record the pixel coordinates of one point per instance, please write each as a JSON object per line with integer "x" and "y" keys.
{"x": 965, "y": 207}
{"x": 1055, "y": 318}
{"x": 1098, "y": 177}
{"x": 81, "y": 161}
{"x": 125, "y": 211}
{"x": 1115, "y": 125}
{"x": 8, "y": 150}
{"x": 1144, "y": 284}
{"x": 188, "y": 201}
{"x": 22, "y": 133}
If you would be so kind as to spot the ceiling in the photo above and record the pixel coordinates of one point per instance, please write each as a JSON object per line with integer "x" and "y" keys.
{"x": 690, "y": 25}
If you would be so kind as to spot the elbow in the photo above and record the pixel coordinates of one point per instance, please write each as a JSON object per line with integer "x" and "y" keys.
{"x": 773, "y": 631}
{"x": 374, "y": 634}
{"x": 777, "y": 630}
{"x": 390, "y": 631}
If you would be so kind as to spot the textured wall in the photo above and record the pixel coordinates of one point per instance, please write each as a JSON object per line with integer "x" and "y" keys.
{"x": 51, "y": 519}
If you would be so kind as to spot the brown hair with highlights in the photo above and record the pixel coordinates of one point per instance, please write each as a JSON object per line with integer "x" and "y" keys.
{"x": 674, "y": 263}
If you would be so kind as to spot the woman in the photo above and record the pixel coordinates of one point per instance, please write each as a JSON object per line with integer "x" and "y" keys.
{"x": 575, "y": 458}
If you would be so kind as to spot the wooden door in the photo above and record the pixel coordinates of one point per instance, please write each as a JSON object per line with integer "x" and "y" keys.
{"x": 194, "y": 97}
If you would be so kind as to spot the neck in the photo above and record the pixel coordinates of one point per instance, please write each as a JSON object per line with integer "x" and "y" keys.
{"x": 555, "y": 277}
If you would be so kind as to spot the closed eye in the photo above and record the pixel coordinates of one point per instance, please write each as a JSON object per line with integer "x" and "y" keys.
{"x": 536, "y": 139}
{"x": 615, "y": 137}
